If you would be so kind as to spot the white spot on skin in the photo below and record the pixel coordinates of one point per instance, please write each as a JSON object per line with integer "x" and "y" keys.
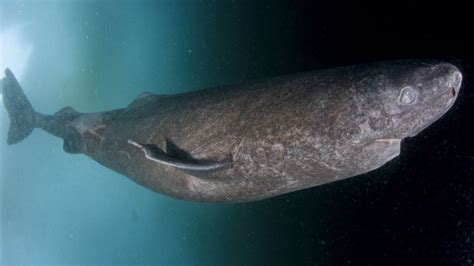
{"x": 292, "y": 182}
{"x": 330, "y": 166}
{"x": 152, "y": 135}
{"x": 364, "y": 130}
{"x": 126, "y": 154}
{"x": 238, "y": 148}
{"x": 89, "y": 122}
{"x": 192, "y": 184}
{"x": 375, "y": 114}
{"x": 93, "y": 131}
{"x": 277, "y": 147}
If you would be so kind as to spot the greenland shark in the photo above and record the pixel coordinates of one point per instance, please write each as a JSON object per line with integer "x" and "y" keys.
{"x": 255, "y": 140}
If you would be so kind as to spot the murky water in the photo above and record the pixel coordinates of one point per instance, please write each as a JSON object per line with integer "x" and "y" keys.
{"x": 94, "y": 56}
{"x": 99, "y": 55}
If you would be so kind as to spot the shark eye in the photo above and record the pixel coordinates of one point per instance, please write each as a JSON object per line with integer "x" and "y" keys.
{"x": 407, "y": 96}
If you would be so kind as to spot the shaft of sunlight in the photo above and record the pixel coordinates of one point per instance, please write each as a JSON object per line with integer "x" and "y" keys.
{"x": 14, "y": 52}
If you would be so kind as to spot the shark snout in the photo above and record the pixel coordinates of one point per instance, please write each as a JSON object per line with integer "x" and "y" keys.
{"x": 453, "y": 78}
{"x": 455, "y": 82}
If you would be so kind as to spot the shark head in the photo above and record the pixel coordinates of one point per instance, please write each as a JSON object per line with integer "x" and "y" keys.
{"x": 394, "y": 100}
{"x": 402, "y": 98}
{"x": 419, "y": 95}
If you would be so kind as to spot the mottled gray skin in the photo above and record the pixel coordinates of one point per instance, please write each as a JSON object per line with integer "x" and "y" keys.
{"x": 280, "y": 135}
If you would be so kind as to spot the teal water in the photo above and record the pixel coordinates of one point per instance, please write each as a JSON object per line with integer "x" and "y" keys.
{"x": 98, "y": 55}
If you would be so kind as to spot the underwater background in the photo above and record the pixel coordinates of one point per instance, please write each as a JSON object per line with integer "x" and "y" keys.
{"x": 99, "y": 55}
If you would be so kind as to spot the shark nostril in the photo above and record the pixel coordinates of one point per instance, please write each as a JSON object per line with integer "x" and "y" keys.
{"x": 453, "y": 92}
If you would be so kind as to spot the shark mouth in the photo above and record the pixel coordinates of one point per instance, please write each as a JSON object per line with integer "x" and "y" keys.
{"x": 389, "y": 141}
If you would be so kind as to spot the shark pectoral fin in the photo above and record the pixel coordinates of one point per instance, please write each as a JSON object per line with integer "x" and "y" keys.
{"x": 186, "y": 163}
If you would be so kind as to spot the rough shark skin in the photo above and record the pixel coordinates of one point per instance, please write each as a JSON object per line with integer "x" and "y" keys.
{"x": 256, "y": 140}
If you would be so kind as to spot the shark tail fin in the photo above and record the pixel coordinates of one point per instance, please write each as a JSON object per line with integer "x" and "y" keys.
{"x": 20, "y": 111}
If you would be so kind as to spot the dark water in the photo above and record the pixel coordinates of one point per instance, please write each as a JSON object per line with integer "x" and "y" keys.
{"x": 94, "y": 56}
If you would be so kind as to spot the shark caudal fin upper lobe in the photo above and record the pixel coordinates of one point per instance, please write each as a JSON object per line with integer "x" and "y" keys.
{"x": 19, "y": 109}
